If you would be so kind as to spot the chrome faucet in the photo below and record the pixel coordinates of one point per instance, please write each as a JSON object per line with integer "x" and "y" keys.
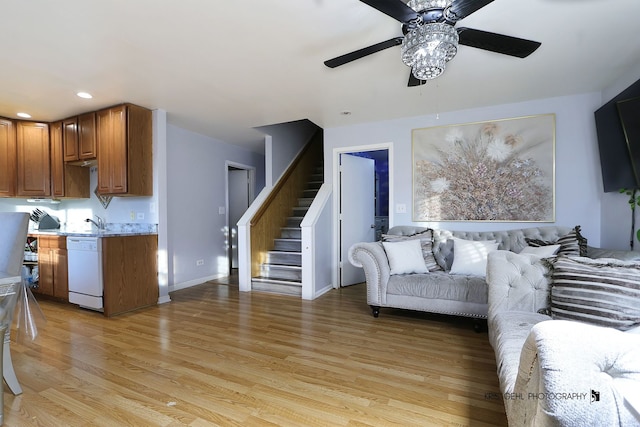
{"x": 100, "y": 224}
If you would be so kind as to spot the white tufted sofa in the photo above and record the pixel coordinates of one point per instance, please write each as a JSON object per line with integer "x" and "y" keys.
{"x": 438, "y": 292}
{"x": 547, "y": 368}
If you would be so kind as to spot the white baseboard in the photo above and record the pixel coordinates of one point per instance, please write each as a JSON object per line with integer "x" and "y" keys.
{"x": 323, "y": 291}
{"x": 163, "y": 300}
{"x": 194, "y": 282}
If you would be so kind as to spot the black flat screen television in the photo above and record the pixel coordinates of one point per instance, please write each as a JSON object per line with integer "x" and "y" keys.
{"x": 620, "y": 168}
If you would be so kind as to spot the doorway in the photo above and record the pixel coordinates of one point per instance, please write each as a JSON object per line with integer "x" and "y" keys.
{"x": 350, "y": 208}
{"x": 240, "y": 194}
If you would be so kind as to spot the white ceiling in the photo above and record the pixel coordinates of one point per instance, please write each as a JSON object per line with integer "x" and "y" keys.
{"x": 222, "y": 68}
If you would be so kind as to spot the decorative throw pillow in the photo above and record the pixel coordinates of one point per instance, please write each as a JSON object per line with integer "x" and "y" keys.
{"x": 470, "y": 256}
{"x": 426, "y": 241}
{"x": 604, "y": 292}
{"x": 541, "y": 251}
{"x": 405, "y": 257}
{"x": 571, "y": 244}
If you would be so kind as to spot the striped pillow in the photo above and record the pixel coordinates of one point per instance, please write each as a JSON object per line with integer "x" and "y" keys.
{"x": 571, "y": 244}
{"x": 426, "y": 241}
{"x": 604, "y": 292}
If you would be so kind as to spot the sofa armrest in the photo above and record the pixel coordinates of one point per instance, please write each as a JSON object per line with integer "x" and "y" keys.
{"x": 613, "y": 253}
{"x": 373, "y": 259}
{"x": 516, "y": 282}
{"x": 574, "y": 373}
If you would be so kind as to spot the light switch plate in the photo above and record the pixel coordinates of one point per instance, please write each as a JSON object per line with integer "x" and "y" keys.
{"x": 221, "y": 210}
{"x": 401, "y": 208}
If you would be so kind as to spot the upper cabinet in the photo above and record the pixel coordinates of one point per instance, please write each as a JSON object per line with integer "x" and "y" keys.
{"x": 67, "y": 181}
{"x": 7, "y": 158}
{"x": 50, "y": 159}
{"x": 70, "y": 139}
{"x": 33, "y": 167}
{"x": 124, "y": 140}
{"x": 80, "y": 139}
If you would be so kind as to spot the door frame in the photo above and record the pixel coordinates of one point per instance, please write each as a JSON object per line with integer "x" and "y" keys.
{"x": 251, "y": 171}
{"x": 336, "y": 196}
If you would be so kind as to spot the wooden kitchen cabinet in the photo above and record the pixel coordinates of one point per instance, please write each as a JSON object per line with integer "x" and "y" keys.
{"x": 80, "y": 139}
{"x": 7, "y": 158}
{"x": 124, "y": 140}
{"x": 67, "y": 181}
{"x": 52, "y": 267}
{"x": 130, "y": 273}
{"x": 33, "y": 159}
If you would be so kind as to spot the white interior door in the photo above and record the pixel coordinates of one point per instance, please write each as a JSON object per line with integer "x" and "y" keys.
{"x": 357, "y": 211}
{"x": 238, "y": 204}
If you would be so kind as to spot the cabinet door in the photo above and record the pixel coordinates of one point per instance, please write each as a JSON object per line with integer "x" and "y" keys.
{"x": 57, "y": 159}
{"x": 60, "y": 274}
{"x": 119, "y": 160}
{"x": 34, "y": 173}
{"x": 87, "y": 136}
{"x": 7, "y": 158}
{"x": 45, "y": 267}
{"x": 104, "y": 133}
{"x": 112, "y": 150}
{"x": 70, "y": 137}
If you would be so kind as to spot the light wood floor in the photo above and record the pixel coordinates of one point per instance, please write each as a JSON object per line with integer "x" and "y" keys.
{"x": 214, "y": 356}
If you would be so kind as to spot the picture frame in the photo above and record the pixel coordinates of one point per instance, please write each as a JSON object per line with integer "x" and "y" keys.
{"x": 499, "y": 170}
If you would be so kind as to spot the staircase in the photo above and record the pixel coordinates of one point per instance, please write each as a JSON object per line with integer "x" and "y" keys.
{"x": 282, "y": 271}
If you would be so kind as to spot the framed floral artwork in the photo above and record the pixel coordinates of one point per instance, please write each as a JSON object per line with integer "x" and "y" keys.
{"x": 500, "y": 170}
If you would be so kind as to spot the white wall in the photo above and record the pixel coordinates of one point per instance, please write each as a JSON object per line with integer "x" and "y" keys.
{"x": 616, "y": 215}
{"x": 195, "y": 191}
{"x": 578, "y": 177}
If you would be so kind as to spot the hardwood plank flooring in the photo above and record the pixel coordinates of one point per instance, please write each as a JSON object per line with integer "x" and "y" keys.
{"x": 215, "y": 356}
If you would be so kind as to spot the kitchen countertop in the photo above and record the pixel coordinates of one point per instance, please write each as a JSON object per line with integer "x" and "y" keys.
{"x": 112, "y": 230}
{"x": 94, "y": 233}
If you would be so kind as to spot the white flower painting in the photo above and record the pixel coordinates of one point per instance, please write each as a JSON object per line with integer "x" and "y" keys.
{"x": 491, "y": 171}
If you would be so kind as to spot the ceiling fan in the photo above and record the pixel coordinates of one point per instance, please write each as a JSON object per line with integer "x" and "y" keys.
{"x": 430, "y": 38}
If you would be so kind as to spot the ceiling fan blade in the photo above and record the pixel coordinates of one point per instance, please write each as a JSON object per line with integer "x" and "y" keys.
{"x": 413, "y": 81}
{"x": 393, "y": 8}
{"x": 361, "y": 53}
{"x": 499, "y": 43}
{"x": 463, "y": 8}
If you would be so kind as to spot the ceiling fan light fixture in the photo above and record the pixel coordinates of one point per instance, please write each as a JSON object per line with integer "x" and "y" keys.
{"x": 428, "y": 68}
{"x": 420, "y": 5}
{"x": 428, "y": 46}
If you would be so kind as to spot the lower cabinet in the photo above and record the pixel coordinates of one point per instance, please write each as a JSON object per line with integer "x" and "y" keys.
{"x": 130, "y": 273}
{"x": 52, "y": 266}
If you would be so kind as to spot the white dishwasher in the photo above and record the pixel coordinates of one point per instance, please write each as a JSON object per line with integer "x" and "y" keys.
{"x": 84, "y": 255}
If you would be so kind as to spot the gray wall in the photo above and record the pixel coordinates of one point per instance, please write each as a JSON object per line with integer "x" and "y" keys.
{"x": 284, "y": 142}
{"x": 195, "y": 190}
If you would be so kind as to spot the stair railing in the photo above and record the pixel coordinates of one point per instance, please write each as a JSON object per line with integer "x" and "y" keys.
{"x": 272, "y": 215}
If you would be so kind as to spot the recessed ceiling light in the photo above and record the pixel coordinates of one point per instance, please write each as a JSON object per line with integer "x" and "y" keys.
{"x": 84, "y": 95}
{"x": 24, "y": 115}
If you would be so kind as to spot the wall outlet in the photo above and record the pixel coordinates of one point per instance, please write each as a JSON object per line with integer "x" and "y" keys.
{"x": 140, "y": 215}
{"x": 132, "y": 215}
{"x": 401, "y": 208}
{"x": 200, "y": 262}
